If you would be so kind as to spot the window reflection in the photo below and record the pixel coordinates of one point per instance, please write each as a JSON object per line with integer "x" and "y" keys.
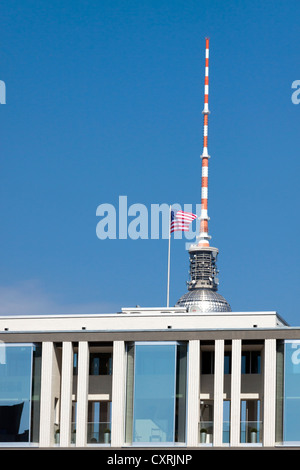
{"x": 291, "y": 408}
{"x": 16, "y": 374}
{"x": 156, "y": 392}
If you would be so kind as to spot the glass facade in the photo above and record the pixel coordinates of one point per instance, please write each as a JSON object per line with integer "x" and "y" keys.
{"x": 156, "y": 392}
{"x": 288, "y": 405}
{"x": 19, "y": 392}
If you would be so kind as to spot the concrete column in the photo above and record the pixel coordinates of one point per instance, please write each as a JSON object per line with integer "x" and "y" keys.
{"x": 193, "y": 393}
{"x": 66, "y": 394}
{"x": 47, "y": 396}
{"x": 218, "y": 393}
{"x": 82, "y": 393}
{"x": 118, "y": 394}
{"x": 269, "y": 406}
{"x": 235, "y": 408}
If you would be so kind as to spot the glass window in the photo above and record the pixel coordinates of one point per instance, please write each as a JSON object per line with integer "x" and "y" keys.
{"x": 251, "y": 362}
{"x": 181, "y": 383}
{"x": 251, "y": 421}
{"x": 99, "y": 422}
{"x": 291, "y": 402}
{"x": 100, "y": 363}
{"x": 75, "y": 363}
{"x": 156, "y": 392}
{"x": 19, "y": 408}
{"x": 226, "y": 421}
{"x": 227, "y": 362}
{"x": 208, "y": 362}
{"x": 206, "y": 421}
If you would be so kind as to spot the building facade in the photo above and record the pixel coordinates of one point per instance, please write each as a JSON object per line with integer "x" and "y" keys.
{"x": 150, "y": 377}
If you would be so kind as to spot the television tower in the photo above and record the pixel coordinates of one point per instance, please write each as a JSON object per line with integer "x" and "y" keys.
{"x": 203, "y": 284}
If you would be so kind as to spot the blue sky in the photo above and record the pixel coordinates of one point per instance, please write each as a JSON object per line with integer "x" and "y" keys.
{"x": 105, "y": 98}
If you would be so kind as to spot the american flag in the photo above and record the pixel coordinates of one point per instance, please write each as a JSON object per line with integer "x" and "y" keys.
{"x": 181, "y": 220}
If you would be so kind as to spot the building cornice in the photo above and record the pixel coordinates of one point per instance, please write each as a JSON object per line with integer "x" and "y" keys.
{"x": 152, "y": 335}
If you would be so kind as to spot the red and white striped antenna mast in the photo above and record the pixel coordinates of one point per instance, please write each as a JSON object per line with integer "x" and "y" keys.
{"x": 204, "y": 236}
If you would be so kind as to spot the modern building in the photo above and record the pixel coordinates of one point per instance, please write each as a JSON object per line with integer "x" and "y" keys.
{"x": 150, "y": 377}
{"x": 193, "y": 375}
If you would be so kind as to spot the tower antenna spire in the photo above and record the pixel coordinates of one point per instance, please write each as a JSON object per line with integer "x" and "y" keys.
{"x": 203, "y": 284}
{"x": 204, "y": 236}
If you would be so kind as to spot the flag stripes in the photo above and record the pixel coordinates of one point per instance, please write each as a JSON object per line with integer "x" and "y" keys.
{"x": 181, "y": 220}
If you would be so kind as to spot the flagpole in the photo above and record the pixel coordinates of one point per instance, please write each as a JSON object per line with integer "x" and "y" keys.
{"x": 169, "y": 251}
